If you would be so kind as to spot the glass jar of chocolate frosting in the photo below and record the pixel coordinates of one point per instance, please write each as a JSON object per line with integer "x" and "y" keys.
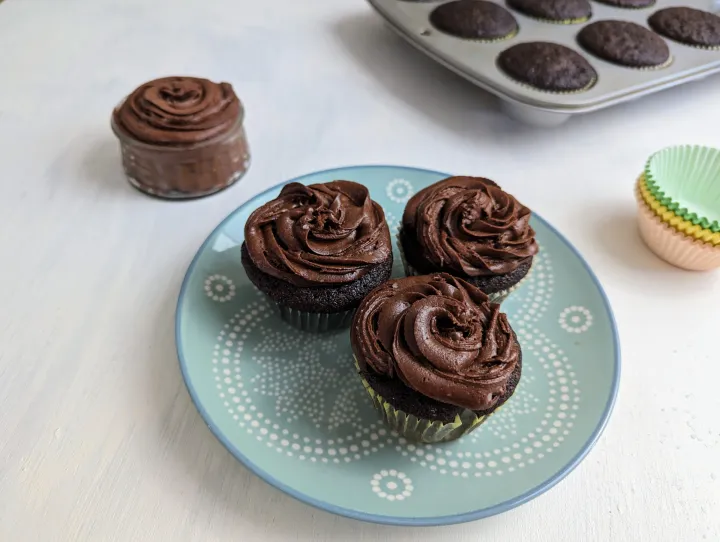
{"x": 182, "y": 137}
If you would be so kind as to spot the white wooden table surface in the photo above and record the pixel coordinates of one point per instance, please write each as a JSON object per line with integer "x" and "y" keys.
{"x": 98, "y": 437}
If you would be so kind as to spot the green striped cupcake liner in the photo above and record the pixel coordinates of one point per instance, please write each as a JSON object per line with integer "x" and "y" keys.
{"x": 686, "y": 180}
{"x": 417, "y": 429}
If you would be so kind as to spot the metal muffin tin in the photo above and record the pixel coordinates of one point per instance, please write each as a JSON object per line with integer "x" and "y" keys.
{"x": 477, "y": 61}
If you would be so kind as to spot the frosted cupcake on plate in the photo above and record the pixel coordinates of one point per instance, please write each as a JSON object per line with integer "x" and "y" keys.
{"x": 435, "y": 355}
{"x": 471, "y": 228}
{"x": 317, "y": 250}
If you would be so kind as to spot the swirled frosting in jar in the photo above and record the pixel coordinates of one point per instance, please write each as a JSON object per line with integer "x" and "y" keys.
{"x": 179, "y": 111}
{"x": 440, "y": 336}
{"x": 321, "y": 234}
{"x": 470, "y": 226}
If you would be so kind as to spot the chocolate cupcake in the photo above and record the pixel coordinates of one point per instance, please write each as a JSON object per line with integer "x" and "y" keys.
{"x": 629, "y": 4}
{"x": 436, "y": 357}
{"x": 474, "y": 19}
{"x": 317, "y": 250}
{"x": 469, "y": 227}
{"x": 182, "y": 137}
{"x": 554, "y": 11}
{"x": 625, "y": 43}
{"x": 687, "y": 25}
{"x": 547, "y": 66}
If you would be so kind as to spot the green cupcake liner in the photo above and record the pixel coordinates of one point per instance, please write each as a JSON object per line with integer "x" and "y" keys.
{"x": 686, "y": 180}
{"x": 495, "y": 297}
{"x": 417, "y": 429}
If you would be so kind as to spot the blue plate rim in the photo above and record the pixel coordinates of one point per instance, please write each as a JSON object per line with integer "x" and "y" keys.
{"x": 376, "y": 518}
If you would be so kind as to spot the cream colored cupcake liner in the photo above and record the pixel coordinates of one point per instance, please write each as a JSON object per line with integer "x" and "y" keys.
{"x": 673, "y": 246}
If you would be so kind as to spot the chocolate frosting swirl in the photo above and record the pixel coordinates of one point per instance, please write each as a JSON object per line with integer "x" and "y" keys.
{"x": 321, "y": 234}
{"x": 179, "y": 111}
{"x": 440, "y": 336}
{"x": 470, "y": 226}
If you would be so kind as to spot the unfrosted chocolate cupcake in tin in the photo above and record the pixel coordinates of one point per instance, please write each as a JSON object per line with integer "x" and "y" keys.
{"x": 688, "y": 26}
{"x": 555, "y": 11}
{"x": 182, "y": 137}
{"x": 625, "y": 43}
{"x": 547, "y": 66}
{"x": 474, "y": 19}
{"x": 628, "y": 4}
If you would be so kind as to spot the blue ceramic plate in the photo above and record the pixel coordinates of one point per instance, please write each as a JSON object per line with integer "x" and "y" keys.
{"x": 290, "y": 407}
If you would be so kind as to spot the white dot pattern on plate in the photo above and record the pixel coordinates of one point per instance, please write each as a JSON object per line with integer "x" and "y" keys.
{"x": 399, "y": 190}
{"x": 392, "y": 485}
{"x": 575, "y": 319}
{"x": 219, "y": 288}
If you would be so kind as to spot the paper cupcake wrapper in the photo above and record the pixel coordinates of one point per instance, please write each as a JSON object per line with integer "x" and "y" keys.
{"x": 314, "y": 322}
{"x": 666, "y": 215}
{"x": 562, "y": 22}
{"x": 662, "y": 66}
{"x": 587, "y": 87}
{"x": 579, "y": 20}
{"x": 686, "y": 180}
{"x": 671, "y": 245}
{"x": 419, "y": 429}
{"x": 629, "y": 8}
{"x": 495, "y": 297}
{"x": 480, "y": 40}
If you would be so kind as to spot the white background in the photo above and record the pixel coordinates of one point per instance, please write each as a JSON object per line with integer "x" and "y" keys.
{"x": 98, "y": 436}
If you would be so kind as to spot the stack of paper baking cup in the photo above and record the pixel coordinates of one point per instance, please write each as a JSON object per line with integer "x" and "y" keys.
{"x": 678, "y": 197}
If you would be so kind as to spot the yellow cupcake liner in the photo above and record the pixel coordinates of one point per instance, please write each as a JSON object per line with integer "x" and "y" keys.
{"x": 669, "y": 217}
